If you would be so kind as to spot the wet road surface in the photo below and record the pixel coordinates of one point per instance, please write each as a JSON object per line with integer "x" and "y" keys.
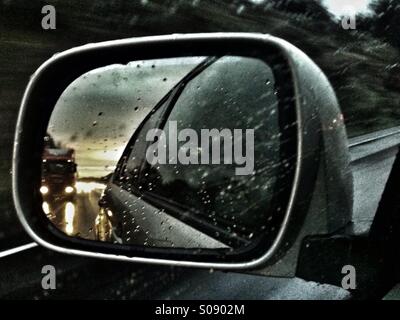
{"x": 92, "y": 278}
{"x": 77, "y": 217}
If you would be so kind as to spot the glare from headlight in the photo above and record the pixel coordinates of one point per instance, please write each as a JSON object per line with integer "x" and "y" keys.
{"x": 46, "y": 207}
{"x": 44, "y": 190}
{"x": 69, "y": 189}
{"x": 69, "y": 217}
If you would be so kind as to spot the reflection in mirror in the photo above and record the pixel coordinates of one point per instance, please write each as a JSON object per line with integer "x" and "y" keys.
{"x": 176, "y": 152}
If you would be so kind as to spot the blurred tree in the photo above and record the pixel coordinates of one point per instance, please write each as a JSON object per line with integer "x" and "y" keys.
{"x": 313, "y": 9}
{"x": 386, "y": 20}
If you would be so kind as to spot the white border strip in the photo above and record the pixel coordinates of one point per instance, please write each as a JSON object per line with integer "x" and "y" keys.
{"x": 18, "y": 249}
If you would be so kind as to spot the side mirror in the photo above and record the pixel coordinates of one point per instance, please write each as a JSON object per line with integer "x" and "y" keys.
{"x": 211, "y": 150}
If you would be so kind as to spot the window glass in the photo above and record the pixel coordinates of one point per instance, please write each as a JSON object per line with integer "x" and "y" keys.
{"x": 128, "y": 168}
{"x": 58, "y": 167}
{"x": 241, "y": 91}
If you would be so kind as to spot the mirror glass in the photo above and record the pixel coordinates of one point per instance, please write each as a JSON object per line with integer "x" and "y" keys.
{"x": 185, "y": 152}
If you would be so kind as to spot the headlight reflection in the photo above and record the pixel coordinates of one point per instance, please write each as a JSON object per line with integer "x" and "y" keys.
{"x": 46, "y": 207}
{"x": 69, "y": 189}
{"x": 44, "y": 190}
{"x": 69, "y": 217}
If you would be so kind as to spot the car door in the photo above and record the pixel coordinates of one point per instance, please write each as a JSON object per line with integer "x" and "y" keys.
{"x": 358, "y": 63}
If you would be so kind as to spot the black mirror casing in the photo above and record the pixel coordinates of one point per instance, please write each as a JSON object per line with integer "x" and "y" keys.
{"x": 320, "y": 201}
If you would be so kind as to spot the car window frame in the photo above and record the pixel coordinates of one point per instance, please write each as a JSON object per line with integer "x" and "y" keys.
{"x": 168, "y": 101}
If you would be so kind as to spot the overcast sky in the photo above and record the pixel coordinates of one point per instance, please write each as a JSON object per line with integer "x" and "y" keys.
{"x": 345, "y": 7}
{"x": 97, "y": 114}
{"x": 340, "y": 7}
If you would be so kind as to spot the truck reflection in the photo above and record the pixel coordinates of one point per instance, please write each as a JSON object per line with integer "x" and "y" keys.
{"x": 58, "y": 174}
{"x": 69, "y": 202}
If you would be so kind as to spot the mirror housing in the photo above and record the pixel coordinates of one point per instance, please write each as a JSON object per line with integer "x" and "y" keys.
{"x": 320, "y": 200}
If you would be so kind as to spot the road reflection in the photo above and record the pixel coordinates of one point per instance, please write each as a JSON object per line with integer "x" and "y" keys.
{"x": 46, "y": 207}
{"x": 82, "y": 217}
{"x": 69, "y": 218}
